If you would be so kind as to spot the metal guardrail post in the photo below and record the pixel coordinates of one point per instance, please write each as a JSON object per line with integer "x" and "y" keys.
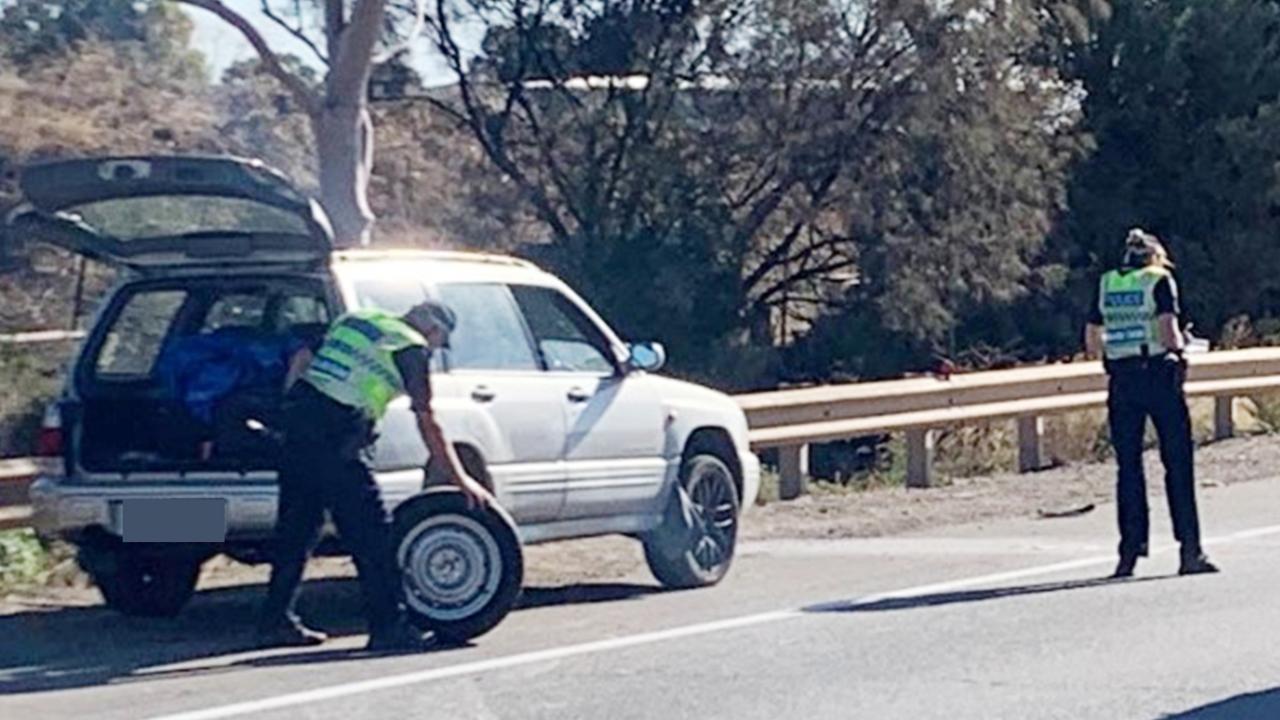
{"x": 920, "y": 458}
{"x": 793, "y": 469}
{"x": 1224, "y": 425}
{"x": 1030, "y": 443}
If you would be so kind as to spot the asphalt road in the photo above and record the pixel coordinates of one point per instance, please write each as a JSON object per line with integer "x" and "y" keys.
{"x": 1004, "y": 620}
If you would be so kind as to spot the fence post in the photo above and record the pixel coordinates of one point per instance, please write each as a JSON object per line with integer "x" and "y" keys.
{"x": 1224, "y": 425}
{"x": 1030, "y": 443}
{"x": 793, "y": 469}
{"x": 919, "y": 458}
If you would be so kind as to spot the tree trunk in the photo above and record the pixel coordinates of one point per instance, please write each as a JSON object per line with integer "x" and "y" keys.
{"x": 340, "y": 120}
{"x": 344, "y": 139}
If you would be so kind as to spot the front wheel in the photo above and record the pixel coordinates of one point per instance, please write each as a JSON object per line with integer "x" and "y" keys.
{"x": 694, "y": 545}
{"x": 461, "y": 569}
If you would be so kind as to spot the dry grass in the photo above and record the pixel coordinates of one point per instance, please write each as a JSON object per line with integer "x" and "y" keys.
{"x": 769, "y": 486}
{"x": 1259, "y": 413}
{"x": 978, "y": 449}
{"x": 1077, "y": 437}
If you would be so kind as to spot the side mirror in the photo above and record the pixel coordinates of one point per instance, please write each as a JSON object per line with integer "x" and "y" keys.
{"x": 647, "y": 356}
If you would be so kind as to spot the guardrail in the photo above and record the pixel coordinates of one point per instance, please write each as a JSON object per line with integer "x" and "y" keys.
{"x": 16, "y": 474}
{"x": 790, "y": 420}
{"x": 15, "y": 477}
{"x": 40, "y": 336}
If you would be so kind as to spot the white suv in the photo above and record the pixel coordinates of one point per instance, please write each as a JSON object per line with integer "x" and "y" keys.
{"x": 227, "y": 269}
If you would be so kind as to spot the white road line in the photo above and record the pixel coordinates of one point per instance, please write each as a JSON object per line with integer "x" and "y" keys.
{"x": 649, "y": 638}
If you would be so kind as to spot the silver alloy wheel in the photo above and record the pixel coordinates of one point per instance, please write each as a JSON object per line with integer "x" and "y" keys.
{"x": 711, "y": 491}
{"x": 451, "y": 567}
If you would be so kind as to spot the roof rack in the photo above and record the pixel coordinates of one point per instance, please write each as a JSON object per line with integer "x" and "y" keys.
{"x": 362, "y": 254}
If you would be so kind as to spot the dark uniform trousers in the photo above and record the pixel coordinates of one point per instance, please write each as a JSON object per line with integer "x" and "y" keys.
{"x": 325, "y": 467}
{"x": 1142, "y": 388}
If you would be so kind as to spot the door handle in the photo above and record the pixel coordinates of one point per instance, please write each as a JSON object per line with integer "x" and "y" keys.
{"x": 483, "y": 394}
{"x": 578, "y": 395}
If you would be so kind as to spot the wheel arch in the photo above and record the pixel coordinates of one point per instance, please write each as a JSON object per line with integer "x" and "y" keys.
{"x": 473, "y": 461}
{"x": 715, "y": 441}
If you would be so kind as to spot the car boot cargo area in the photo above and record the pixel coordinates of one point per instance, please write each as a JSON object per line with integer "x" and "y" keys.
{"x": 188, "y": 374}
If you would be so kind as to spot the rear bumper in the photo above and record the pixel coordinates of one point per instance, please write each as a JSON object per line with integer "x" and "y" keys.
{"x": 65, "y": 510}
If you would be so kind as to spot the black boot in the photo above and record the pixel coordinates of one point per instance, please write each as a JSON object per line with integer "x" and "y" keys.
{"x": 399, "y": 636}
{"x": 1124, "y": 569}
{"x": 289, "y": 634}
{"x": 1194, "y": 562}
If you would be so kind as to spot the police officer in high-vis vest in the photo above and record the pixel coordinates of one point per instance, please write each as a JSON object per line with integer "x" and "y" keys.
{"x": 367, "y": 359}
{"x": 1134, "y": 326}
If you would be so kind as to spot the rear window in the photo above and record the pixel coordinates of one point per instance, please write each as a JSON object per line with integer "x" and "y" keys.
{"x": 149, "y": 320}
{"x": 137, "y": 335}
{"x": 163, "y": 216}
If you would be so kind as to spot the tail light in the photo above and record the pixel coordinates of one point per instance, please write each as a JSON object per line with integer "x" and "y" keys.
{"x": 49, "y": 442}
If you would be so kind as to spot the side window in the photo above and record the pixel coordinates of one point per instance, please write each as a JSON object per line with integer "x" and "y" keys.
{"x": 567, "y": 339}
{"x": 137, "y": 335}
{"x": 489, "y": 335}
{"x": 236, "y": 310}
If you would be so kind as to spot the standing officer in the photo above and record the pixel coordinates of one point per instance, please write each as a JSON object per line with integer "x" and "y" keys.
{"x": 1134, "y": 326}
{"x": 367, "y": 359}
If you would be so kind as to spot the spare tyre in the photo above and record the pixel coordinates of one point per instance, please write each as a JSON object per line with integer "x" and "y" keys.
{"x": 461, "y": 568}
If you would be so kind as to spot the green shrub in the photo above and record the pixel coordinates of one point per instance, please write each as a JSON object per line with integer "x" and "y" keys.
{"x": 22, "y": 559}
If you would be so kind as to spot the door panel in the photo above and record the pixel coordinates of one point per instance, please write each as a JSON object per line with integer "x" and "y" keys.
{"x": 613, "y": 449}
{"x": 507, "y": 396}
{"x": 521, "y": 411}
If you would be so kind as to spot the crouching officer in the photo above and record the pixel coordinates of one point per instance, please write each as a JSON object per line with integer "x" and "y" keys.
{"x": 1134, "y": 326}
{"x": 367, "y": 359}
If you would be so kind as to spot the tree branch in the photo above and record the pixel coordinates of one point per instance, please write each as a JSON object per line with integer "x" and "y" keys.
{"x": 419, "y": 23}
{"x": 474, "y": 116}
{"x": 305, "y": 96}
{"x": 817, "y": 271}
{"x": 634, "y": 123}
{"x": 761, "y": 175}
{"x": 558, "y": 176}
{"x": 775, "y": 257}
{"x": 296, "y": 32}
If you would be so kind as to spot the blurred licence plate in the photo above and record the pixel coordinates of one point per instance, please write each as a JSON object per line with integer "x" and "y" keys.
{"x": 172, "y": 520}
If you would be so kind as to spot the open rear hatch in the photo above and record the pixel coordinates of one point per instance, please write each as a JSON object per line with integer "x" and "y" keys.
{"x": 179, "y": 359}
{"x": 164, "y": 212}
